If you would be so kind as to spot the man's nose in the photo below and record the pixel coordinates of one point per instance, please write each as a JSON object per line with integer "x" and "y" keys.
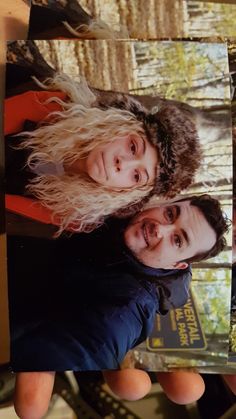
{"x": 159, "y": 231}
{"x": 155, "y": 233}
{"x": 165, "y": 230}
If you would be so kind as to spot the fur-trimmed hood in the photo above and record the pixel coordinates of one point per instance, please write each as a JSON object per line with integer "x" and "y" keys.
{"x": 175, "y": 137}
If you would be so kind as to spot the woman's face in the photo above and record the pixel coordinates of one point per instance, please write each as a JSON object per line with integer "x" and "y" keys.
{"x": 127, "y": 162}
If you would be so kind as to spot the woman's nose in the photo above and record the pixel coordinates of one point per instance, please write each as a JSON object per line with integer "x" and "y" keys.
{"x": 122, "y": 164}
{"x": 118, "y": 164}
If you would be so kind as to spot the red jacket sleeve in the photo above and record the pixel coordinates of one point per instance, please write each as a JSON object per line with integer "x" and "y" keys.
{"x": 30, "y": 208}
{"x": 30, "y": 105}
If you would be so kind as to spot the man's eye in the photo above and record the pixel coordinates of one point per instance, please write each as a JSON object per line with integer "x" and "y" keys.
{"x": 137, "y": 176}
{"x": 177, "y": 241}
{"x": 133, "y": 147}
{"x": 169, "y": 214}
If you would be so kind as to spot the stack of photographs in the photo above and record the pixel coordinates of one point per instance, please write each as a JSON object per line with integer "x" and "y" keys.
{"x": 119, "y": 128}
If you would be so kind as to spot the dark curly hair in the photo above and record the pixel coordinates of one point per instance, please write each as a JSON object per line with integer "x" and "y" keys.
{"x": 219, "y": 222}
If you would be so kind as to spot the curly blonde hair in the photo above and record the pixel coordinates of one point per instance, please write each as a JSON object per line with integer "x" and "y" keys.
{"x": 97, "y": 29}
{"x": 78, "y": 202}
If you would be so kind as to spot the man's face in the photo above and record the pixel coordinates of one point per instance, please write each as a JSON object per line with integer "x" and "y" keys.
{"x": 163, "y": 236}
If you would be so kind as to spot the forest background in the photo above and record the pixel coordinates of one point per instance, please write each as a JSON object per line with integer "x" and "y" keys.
{"x": 166, "y": 19}
{"x": 197, "y": 74}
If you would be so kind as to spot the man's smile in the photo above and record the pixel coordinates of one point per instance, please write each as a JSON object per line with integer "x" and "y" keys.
{"x": 145, "y": 233}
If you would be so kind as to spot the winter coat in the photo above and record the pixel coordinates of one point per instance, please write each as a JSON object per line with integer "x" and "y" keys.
{"x": 82, "y": 303}
{"x": 19, "y": 109}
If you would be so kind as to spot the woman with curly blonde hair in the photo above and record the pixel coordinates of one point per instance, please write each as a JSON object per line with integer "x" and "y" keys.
{"x": 85, "y": 160}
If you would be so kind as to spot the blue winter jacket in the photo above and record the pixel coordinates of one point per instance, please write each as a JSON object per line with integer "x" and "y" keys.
{"x": 75, "y": 305}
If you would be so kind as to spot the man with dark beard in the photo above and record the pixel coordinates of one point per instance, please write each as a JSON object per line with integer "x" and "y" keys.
{"x": 92, "y": 297}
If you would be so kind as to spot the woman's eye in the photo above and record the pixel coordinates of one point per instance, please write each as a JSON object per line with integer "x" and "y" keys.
{"x": 137, "y": 176}
{"x": 169, "y": 215}
{"x": 133, "y": 147}
{"x": 177, "y": 240}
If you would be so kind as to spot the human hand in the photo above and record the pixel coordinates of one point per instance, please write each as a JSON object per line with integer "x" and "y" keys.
{"x": 181, "y": 387}
{"x": 14, "y": 17}
{"x": 33, "y": 390}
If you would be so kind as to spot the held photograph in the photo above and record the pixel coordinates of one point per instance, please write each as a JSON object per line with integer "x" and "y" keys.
{"x": 118, "y": 173}
{"x": 133, "y": 19}
{"x": 232, "y": 340}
